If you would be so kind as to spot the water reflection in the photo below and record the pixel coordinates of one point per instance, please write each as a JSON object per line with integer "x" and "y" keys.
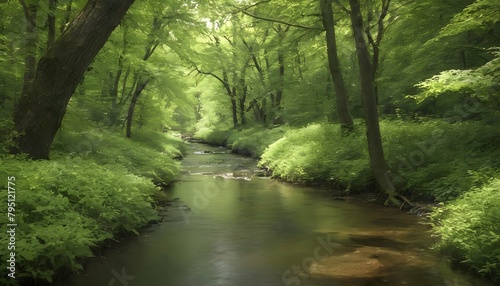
{"x": 263, "y": 232}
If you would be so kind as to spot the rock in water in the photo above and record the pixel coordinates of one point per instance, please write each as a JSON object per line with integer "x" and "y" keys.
{"x": 365, "y": 262}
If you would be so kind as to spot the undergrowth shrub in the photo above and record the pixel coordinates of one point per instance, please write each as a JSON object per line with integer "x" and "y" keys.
{"x": 7, "y": 134}
{"x": 254, "y": 141}
{"x": 148, "y": 158}
{"x": 213, "y": 136}
{"x": 161, "y": 142}
{"x": 469, "y": 229}
{"x": 319, "y": 154}
{"x": 65, "y": 208}
{"x": 434, "y": 159}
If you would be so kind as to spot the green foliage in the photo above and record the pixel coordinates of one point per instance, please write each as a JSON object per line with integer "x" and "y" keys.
{"x": 482, "y": 14}
{"x": 254, "y": 141}
{"x": 469, "y": 230}
{"x": 479, "y": 21}
{"x": 162, "y": 142}
{"x": 214, "y": 112}
{"x": 213, "y": 136}
{"x": 97, "y": 185}
{"x": 454, "y": 81}
{"x": 7, "y": 134}
{"x": 319, "y": 154}
{"x": 413, "y": 51}
{"x": 482, "y": 82}
{"x": 415, "y": 153}
{"x": 65, "y": 208}
{"x": 151, "y": 159}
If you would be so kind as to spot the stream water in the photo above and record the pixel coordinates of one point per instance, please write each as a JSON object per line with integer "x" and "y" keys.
{"x": 230, "y": 227}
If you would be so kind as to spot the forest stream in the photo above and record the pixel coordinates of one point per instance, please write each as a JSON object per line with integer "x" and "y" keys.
{"x": 228, "y": 226}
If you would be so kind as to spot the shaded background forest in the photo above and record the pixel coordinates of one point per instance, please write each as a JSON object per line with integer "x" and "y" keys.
{"x": 256, "y": 76}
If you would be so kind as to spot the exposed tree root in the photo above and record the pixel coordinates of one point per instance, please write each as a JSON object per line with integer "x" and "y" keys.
{"x": 392, "y": 200}
{"x": 406, "y": 201}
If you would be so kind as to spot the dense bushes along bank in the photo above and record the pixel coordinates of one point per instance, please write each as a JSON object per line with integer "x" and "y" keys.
{"x": 456, "y": 164}
{"x": 97, "y": 185}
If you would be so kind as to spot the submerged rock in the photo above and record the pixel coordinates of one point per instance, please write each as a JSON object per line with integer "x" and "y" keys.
{"x": 365, "y": 262}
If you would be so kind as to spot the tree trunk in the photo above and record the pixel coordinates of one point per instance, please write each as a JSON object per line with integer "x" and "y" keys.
{"x": 375, "y": 42}
{"x": 41, "y": 109}
{"x": 378, "y": 164}
{"x": 243, "y": 98}
{"x": 113, "y": 93}
{"x": 130, "y": 115}
{"x": 30, "y": 13}
{"x": 51, "y": 23}
{"x": 141, "y": 83}
{"x": 259, "y": 112}
{"x": 234, "y": 107}
{"x": 243, "y": 118}
{"x": 263, "y": 111}
{"x": 231, "y": 91}
{"x": 281, "y": 82}
{"x": 346, "y": 123}
{"x": 115, "y": 107}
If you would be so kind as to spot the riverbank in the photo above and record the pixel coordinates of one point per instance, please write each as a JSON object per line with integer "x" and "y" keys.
{"x": 452, "y": 164}
{"x": 97, "y": 187}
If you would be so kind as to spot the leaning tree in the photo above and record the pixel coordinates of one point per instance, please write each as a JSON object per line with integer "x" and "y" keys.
{"x": 43, "y": 103}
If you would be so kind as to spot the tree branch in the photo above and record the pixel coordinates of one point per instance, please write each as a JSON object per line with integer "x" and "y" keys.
{"x": 228, "y": 40}
{"x": 280, "y": 22}
{"x": 344, "y": 8}
{"x": 28, "y": 12}
{"x": 248, "y": 7}
{"x": 385, "y": 10}
{"x": 254, "y": 59}
{"x": 226, "y": 85}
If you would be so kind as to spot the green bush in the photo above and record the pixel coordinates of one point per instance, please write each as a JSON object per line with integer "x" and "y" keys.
{"x": 97, "y": 185}
{"x": 7, "y": 134}
{"x": 433, "y": 159}
{"x": 213, "y": 136}
{"x": 65, "y": 208}
{"x": 149, "y": 158}
{"x": 469, "y": 229}
{"x": 161, "y": 142}
{"x": 319, "y": 154}
{"x": 254, "y": 141}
